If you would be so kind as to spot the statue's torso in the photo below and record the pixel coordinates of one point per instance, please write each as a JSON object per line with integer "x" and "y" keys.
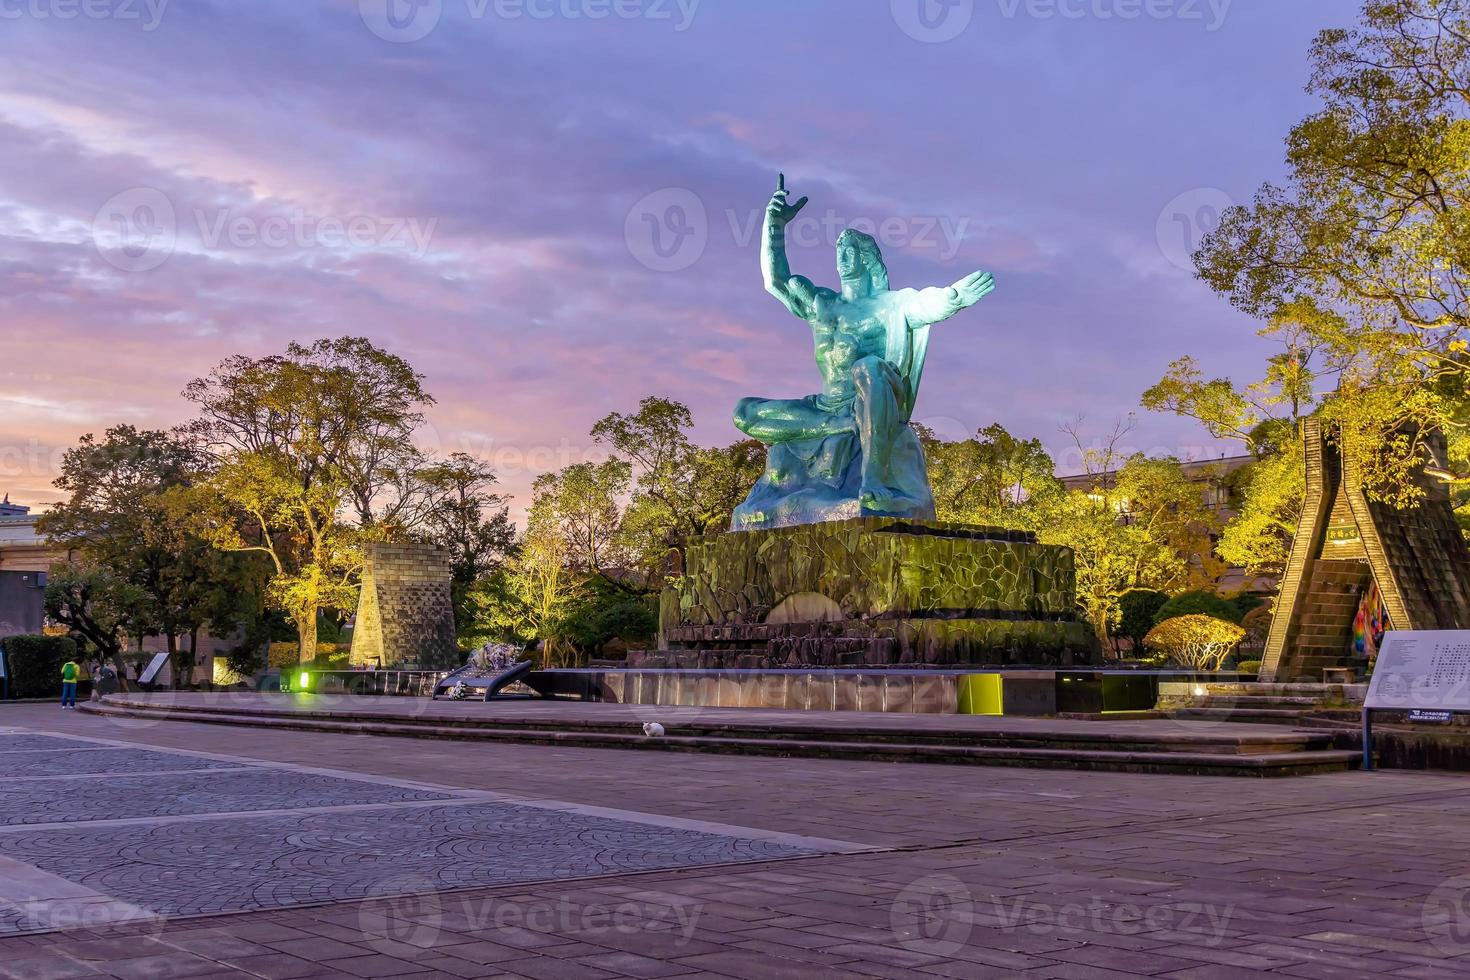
{"x": 843, "y": 333}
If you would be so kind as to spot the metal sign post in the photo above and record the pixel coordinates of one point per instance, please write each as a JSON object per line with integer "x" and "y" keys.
{"x": 1425, "y": 673}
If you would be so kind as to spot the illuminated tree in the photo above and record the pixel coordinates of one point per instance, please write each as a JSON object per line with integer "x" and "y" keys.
{"x": 1195, "y": 641}
{"x": 293, "y": 437}
{"x": 988, "y": 478}
{"x": 1365, "y": 248}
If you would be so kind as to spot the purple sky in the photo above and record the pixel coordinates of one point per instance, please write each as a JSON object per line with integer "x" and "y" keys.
{"x": 482, "y": 201}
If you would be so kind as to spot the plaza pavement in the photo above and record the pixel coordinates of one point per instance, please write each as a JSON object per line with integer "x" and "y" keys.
{"x": 618, "y": 863}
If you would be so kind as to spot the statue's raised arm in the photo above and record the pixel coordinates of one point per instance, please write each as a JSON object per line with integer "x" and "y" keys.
{"x": 796, "y": 293}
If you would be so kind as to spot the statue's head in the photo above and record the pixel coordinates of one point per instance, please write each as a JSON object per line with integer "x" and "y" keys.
{"x": 858, "y": 258}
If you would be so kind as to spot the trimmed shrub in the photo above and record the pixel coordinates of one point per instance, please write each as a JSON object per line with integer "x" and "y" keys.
{"x": 1136, "y": 611}
{"x": 628, "y": 620}
{"x": 1245, "y": 604}
{"x": 1249, "y": 666}
{"x": 1195, "y": 641}
{"x": 35, "y": 664}
{"x": 1197, "y": 604}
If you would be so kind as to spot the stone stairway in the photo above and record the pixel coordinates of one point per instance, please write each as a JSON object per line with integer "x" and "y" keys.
{"x": 1269, "y": 704}
{"x": 1158, "y": 746}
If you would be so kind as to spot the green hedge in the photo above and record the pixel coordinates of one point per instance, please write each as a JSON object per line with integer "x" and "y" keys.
{"x": 35, "y": 664}
{"x": 1198, "y": 604}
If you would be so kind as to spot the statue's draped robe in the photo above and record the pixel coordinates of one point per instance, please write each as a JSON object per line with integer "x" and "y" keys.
{"x": 821, "y": 479}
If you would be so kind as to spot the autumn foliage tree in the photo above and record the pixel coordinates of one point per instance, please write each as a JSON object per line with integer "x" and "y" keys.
{"x": 291, "y": 437}
{"x": 137, "y": 567}
{"x": 1366, "y": 247}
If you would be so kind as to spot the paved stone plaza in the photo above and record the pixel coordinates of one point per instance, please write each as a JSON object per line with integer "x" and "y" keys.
{"x": 167, "y": 849}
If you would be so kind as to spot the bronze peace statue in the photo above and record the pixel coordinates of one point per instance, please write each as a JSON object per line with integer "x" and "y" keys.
{"x": 847, "y": 451}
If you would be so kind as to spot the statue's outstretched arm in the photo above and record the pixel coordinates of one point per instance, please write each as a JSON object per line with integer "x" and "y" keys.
{"x": 794, "y": 292}
{"x": 942, "y": 302}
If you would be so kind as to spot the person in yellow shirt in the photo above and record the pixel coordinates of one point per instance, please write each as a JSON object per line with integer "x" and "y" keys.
{"x": 70, "y": 674}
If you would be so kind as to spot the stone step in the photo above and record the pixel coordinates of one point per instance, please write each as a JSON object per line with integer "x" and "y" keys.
{"x": 1257, "y": 716}
{"x": 848, "y": 730}
{"x": 1256, "y": 701}
{"x": 1316, "y": 690}
{"x": 1254, "y": 755}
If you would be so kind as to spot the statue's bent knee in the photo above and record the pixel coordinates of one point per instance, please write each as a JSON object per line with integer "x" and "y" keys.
{"x": 747, "y": 413}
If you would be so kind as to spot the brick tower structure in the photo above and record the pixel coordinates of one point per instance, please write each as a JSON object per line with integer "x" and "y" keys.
{"x": 1346, "y": 542}
{"x": 405, "y": 614}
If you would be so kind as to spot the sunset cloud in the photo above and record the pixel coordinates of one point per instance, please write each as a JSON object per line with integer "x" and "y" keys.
{"x": 243, "y": 175}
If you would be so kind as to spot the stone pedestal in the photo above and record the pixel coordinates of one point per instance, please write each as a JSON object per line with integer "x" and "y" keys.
{"x": 871, "y": 592}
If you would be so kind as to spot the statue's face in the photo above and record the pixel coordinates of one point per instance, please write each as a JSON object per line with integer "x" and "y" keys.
{"x": 849, "y": 261}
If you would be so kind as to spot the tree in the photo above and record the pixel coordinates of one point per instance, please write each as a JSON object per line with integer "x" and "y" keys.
{"x": 469, "y": 520}
{"x": 1198, "y": 603}
{"x": 1139, "y": 523}
{"x": 1267, "y": 419}
{"x": 680, "y": 490}
{"x": 1258, "y": 539}
{"x": 299, "y": 440}
{"x": 1196, "y": 641}
{"x": 539, "y": 590}
{"x": 580, "y": 504}
{"x": 1365, "y": 247}
{"x": 1137, "y": 610}
{"x": 122, "y": 522}
{"x": 1159, "y": 499}
{"x": 95, "y": 603}
{"x": 988, "y": 478}
{"x": 607, "y": 610}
